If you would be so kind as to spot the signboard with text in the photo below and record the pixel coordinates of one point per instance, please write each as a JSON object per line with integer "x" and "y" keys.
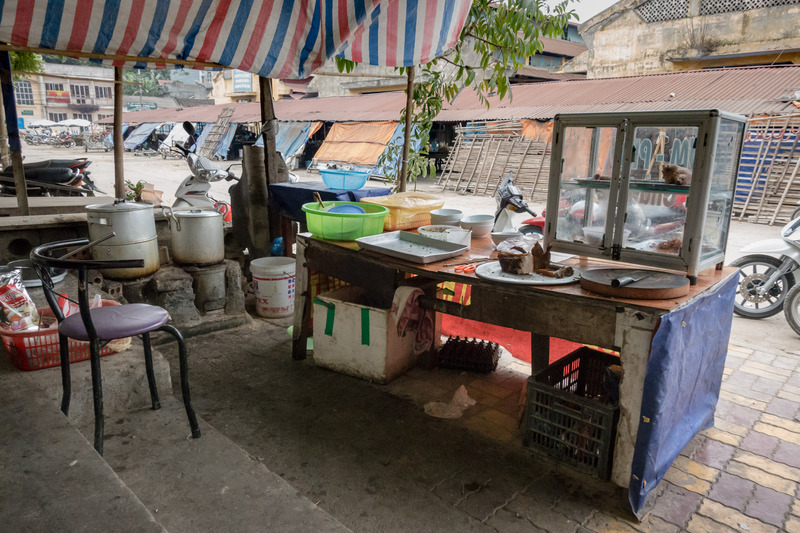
{"x": 242, "y": 82}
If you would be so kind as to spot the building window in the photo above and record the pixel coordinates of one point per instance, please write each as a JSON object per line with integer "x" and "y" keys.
{"x": 101, "y": 117}
{"x": 57, "y": 117}
{"x": 53, "y": 86}
{"x": 79, "y": 93}
{"x": 102, "y": 92}
{"x": 23, "y": 92}
{"x": 84, "y": 116}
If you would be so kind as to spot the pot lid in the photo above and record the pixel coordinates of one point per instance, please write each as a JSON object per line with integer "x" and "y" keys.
{"x": 119, "y": 206}
{"x": 197, "y": 213}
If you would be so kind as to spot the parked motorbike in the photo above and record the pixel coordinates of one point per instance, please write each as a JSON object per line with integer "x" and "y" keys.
{"x": 509, "y": 201}
{"x": 193, "y": 193}
{"x": 765, "y": 280}
{"x": 63, "y": 140}
{"x": 52, "y": 177}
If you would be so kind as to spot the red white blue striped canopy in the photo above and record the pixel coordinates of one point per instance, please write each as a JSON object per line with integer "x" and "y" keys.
{"x": 273, "y": 38}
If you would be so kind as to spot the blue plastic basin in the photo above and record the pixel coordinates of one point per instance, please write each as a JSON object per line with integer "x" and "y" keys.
{"x": 345, "y": 180}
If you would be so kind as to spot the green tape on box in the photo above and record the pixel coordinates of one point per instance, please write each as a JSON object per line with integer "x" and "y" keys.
{"x": 365, "y": 326}
{"x": 330, "y": 317}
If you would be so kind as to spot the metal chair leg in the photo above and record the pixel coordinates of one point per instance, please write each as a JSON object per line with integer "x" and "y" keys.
{"x": 151, "y": 378}
{"x": 97, "y": 392}
{"x": 184, "y": 368}
{"x": 66, "y": 382}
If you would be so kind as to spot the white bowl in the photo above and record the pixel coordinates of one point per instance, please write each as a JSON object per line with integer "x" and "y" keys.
{"x": 481, "y": 225}
{"x": 449, "y": 217}
{"x": 500, "y": 236}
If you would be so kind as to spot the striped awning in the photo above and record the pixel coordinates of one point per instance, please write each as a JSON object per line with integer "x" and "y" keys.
{"x": 273, "y": 38}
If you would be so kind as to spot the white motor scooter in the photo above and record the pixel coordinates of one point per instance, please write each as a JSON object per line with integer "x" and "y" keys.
{"x": 767, "y": 274}
{"x": 192, "y": 193}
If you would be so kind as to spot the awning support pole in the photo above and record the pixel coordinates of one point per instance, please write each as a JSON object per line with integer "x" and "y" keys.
{"x": 10, "y": 107}
{"x": 119, "y": 149}
{"x": 407, "y": 133}
{"x": 269, "y": 127}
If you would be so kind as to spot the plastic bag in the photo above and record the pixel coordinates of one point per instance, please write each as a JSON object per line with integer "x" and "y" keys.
{"x": 460, "y": 402}
{"x": 70, "y": 308}
{"x": 19, "y": 311}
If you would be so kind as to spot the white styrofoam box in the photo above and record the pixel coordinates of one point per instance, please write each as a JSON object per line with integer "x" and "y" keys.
{"x": 358, "y": 340}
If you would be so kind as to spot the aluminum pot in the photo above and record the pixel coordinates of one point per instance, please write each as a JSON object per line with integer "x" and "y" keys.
{"x": 135, "y": 228}
{"x": 197, "y": 237}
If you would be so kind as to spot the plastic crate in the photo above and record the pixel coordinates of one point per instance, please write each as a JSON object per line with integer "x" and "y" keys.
{"x": 570, "y": 414}
{"x": 407, "y": 210}
{"x": 33, "y": 350}
{"x": 344, "y": 180}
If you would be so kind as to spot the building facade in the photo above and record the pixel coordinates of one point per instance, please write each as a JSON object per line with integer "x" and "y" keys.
{"x": 66, "y": 92}
{"x": 232, "y": 86}
{"x": 636, "y": 37}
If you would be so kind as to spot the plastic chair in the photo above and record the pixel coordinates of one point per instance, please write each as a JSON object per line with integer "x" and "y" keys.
{"x": 105, "y": 324}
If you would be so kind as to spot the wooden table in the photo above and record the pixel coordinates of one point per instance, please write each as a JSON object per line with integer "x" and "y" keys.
{"x": 564, "y": 311}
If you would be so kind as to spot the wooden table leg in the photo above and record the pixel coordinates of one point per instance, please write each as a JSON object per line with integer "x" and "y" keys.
{"x": 287, "y": 231}
{"x": 540, "y": 353}
{"x": 302, "y": 304}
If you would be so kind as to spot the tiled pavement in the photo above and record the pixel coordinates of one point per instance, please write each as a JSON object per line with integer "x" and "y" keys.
{"x": 741, "y": 475}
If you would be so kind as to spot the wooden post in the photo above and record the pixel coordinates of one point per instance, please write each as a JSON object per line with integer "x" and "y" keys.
{"x": 407, "y": 133}
{"x": 10, "y": 106}
{"x": 269, "y": 128}
{"x": 5, "y": 154}
{"x": 258, "y": 223}
{"x": 119, "y": 150}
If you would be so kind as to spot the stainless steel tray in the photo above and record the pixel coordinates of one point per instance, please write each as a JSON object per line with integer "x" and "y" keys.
{"x": 411, "y": 247}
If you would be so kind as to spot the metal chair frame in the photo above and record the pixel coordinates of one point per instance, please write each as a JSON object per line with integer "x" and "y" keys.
{"x": 43, "y": 259}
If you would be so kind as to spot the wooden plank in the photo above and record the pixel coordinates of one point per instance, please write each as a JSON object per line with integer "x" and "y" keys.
{"x": 42, "y": 221}
{"x": 756, "y": 170}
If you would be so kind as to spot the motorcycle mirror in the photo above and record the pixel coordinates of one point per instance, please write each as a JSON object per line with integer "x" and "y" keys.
{"x": 189, "y": 127}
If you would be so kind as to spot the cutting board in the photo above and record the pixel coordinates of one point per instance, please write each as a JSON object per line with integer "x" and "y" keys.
{"x": 653, "y": 285}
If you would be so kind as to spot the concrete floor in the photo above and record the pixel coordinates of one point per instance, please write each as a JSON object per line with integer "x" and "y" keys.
{"x": 305, "y": 449}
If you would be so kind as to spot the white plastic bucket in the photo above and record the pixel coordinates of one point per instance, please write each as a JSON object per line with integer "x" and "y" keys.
{"x": 273, "y": 284}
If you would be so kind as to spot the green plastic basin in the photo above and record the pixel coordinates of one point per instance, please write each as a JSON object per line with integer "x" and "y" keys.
{"x": 344, "y": 226}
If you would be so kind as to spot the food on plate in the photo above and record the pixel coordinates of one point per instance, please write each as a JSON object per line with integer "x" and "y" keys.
{"x": 556, "y": 271}
{"x": 522, "y": 255}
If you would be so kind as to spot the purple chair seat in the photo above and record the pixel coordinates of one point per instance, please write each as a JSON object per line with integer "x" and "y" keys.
{"x": 116, "y": 322}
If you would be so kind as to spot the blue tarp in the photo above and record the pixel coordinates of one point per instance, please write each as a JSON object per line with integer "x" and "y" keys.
{"x": 681, "y": 387}
{"x": 225, "y": 143}
{"x": 139, "y": 135}
{"x": 201, "y": 139}
{"x": 387, "y": 161}
{"x": 290, "y": 139}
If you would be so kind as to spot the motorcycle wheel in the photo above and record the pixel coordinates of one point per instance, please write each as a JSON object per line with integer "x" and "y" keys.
{"x": 754, "y": 270}
{"x": 791, "y": 308}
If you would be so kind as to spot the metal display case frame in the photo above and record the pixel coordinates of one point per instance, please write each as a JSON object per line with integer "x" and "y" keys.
{"x": 690, "y": 259}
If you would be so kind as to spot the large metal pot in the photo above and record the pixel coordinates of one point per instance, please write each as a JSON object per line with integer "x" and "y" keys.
{"x": 135, "y": 229}
{"x": 197, "y": 237}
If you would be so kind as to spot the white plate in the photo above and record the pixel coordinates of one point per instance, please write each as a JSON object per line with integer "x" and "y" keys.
{"x": 492, "y": 271}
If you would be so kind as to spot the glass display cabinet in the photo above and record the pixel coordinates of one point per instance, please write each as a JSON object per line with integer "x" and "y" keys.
{"x": 647, "y": 188}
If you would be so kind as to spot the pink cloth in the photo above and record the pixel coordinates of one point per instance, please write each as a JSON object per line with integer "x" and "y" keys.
{"x": 408, "y": 314}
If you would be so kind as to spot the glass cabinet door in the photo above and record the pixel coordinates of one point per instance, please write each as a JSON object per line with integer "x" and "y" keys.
{"x": 587, "y": 166}
{"x": 660, "y": 174}
{"x": 723, "y": 185}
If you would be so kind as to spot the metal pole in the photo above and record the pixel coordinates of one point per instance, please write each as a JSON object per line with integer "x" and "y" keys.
{"x": 10, "y": 106}
{"x": 407, "y": 133}
{"x": 119, "y": 170}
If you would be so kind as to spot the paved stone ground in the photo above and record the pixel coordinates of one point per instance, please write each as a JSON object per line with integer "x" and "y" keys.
{"x": 368, "y": 455}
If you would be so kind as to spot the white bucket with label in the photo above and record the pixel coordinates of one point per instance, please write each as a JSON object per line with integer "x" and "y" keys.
{"x": 273, "y": 284}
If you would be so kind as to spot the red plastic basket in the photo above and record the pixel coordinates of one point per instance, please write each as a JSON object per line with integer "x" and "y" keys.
{"x": 32, "y": 350}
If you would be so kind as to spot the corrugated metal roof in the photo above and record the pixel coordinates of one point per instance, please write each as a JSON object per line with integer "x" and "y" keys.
{"x": 748, "y": 91}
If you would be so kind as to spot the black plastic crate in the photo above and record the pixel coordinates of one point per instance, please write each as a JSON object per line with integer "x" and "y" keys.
{"x": 572, "y": 411}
